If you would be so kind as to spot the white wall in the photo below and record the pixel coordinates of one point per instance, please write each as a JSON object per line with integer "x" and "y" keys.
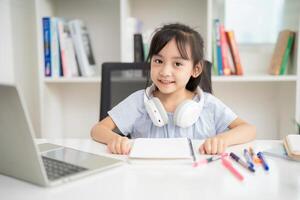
{"x": 6, "y": 61}
{"x": 18, "y": 60}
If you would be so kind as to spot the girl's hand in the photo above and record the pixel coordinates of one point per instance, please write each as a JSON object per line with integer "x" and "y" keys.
{"x": 119, "y": 145}
{"x": 214, "y": 145}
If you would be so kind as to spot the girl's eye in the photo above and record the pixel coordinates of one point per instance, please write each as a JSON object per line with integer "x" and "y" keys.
{"x": 177, "y": 64}
{"x": 158, "y": 61}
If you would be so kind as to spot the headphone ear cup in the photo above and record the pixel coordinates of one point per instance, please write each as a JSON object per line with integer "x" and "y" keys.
{"x": 187, "y": 113}
{"x": 156, "y": 112}
{"x": 161, "y": 110}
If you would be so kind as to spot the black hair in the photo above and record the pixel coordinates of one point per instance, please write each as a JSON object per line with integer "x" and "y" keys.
{"x": 184, "y": 35}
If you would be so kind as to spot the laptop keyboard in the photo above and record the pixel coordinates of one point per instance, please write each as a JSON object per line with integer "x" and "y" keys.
{"x": 56, "y": 169}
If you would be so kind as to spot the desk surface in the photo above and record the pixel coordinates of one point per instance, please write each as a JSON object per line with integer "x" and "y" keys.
{"x": 212, "y": 181}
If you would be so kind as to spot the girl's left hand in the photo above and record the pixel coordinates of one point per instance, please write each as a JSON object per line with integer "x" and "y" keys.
{"x": 214, "y": 145}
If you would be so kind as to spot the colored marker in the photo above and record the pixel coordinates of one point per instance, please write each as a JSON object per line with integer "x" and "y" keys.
{"x": 229, "y": 166}
{"x": 248, "y": 158}
{"x": 208, "y": 160}
{"x": 241, "y": 162}
{"x": 263, "y": 160}
{"x": 211, "y": 159}
{"x": 254, "y": 157}
{"x": 251, "y": 151}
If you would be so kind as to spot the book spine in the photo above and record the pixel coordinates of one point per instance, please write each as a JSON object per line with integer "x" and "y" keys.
{"x": 235, "y": 53}
{"x": 61, "y": 38}
{"x": 70, "y": 57}
{"x": 55, "y": 54}
{"x": 286, "y": 55}
{"x": 83, "y": 48}
{"x": 138, "y": 48}
{"x": 47, "y": 46}
{"x": 278, "y": 53}
{"x": 214, "y": 53}
{"x": 218, "y": 46}
{"x": 224, "y": 50}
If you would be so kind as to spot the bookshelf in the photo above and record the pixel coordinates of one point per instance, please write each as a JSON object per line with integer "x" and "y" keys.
{"x": 68, "y": 107}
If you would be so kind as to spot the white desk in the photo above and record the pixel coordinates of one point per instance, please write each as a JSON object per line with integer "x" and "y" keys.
{"x": 212, "y": 181}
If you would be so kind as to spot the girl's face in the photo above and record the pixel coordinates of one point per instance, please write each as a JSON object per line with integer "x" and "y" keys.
{"x": 169, "y": 71}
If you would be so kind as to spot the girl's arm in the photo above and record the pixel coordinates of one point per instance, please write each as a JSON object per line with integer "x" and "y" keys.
{"x": 240, "y": 132}
{"x": 102, "y": 132}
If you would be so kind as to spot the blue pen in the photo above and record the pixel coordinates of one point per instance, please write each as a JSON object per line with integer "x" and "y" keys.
{"x": 263, "y": 160}
{"x": 248, "y": 158}
{"x": 241, "y": 162}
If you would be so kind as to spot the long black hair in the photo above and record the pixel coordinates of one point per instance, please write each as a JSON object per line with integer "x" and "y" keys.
{"x": 184, "y": 35}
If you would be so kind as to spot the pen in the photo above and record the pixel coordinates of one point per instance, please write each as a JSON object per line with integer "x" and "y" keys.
{"x": 248, "y": 158}
{"x": 251, "y": 152}
{"x": 254, "y": 157}
{"x": 192, "y": 152}
{"x": 263, "y": 160}
{"x": 208, "y": 160}
{"x": 229, "y": 166}
{"x": 241, "y": 162}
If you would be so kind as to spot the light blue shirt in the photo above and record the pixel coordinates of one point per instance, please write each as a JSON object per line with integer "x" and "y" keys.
{"x": 131, "y": 117}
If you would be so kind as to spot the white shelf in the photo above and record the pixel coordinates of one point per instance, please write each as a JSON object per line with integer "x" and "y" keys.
{"x": 255, "y": 78}
{"x": 91, "y": 79}
{"x": 73, "y": 80}
{"x": 246, "y": 78}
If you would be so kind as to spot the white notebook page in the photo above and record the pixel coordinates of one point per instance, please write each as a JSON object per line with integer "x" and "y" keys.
{"x": 160, "y": 148}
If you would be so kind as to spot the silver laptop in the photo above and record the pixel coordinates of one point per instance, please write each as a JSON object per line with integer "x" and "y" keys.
{"x": 48, "y": 165}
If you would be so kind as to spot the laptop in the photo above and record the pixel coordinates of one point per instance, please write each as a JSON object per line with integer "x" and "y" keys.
{"x": 46, "y": 165}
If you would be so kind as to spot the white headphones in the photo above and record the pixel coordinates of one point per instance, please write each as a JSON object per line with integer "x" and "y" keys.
{"x": 185, "y": 115}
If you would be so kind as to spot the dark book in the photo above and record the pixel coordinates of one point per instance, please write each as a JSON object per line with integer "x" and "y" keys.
{"x": 138, "y": 48}
{"x": 47, "y": 45}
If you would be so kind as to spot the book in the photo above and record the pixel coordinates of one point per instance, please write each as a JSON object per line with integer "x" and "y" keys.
{"x": 138, "y": 48}
{"x": 214, "y": 53}
{"x": 224, "y": 51}
{"x": 234, "y": 53}
{"x": 218, "y": 46}
{"x": 51, "y": 47}
{"x": 279, "y": 51}
{"x": 161, "y": 149}
{"x": 56, "y": 70}
{"x": 62, "y": 48}
{"x": 67, "y": 52}
{"x": 293, "y": 142}
{"x": 83, "y": 48}
{"x": 47, "y": 46}
{"x": 292, "y": 146}
{"x": 287, "y": 53}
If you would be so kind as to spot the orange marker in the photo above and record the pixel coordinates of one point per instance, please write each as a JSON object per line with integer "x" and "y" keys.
{"x": 256, "y": 160}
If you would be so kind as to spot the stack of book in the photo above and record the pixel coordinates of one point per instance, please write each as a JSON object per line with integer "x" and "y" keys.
{"x": 67, "y": 48}
{"x": 226, "y": 58}
{"x": 282, "y": 53}
{"x": 292, "y": 146}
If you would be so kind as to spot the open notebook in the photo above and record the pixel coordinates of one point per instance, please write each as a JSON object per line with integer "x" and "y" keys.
{"x": 156, "y": 149}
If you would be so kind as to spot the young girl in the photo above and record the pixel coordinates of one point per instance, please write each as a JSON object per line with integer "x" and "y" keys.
{"x": 175, "y": 105}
